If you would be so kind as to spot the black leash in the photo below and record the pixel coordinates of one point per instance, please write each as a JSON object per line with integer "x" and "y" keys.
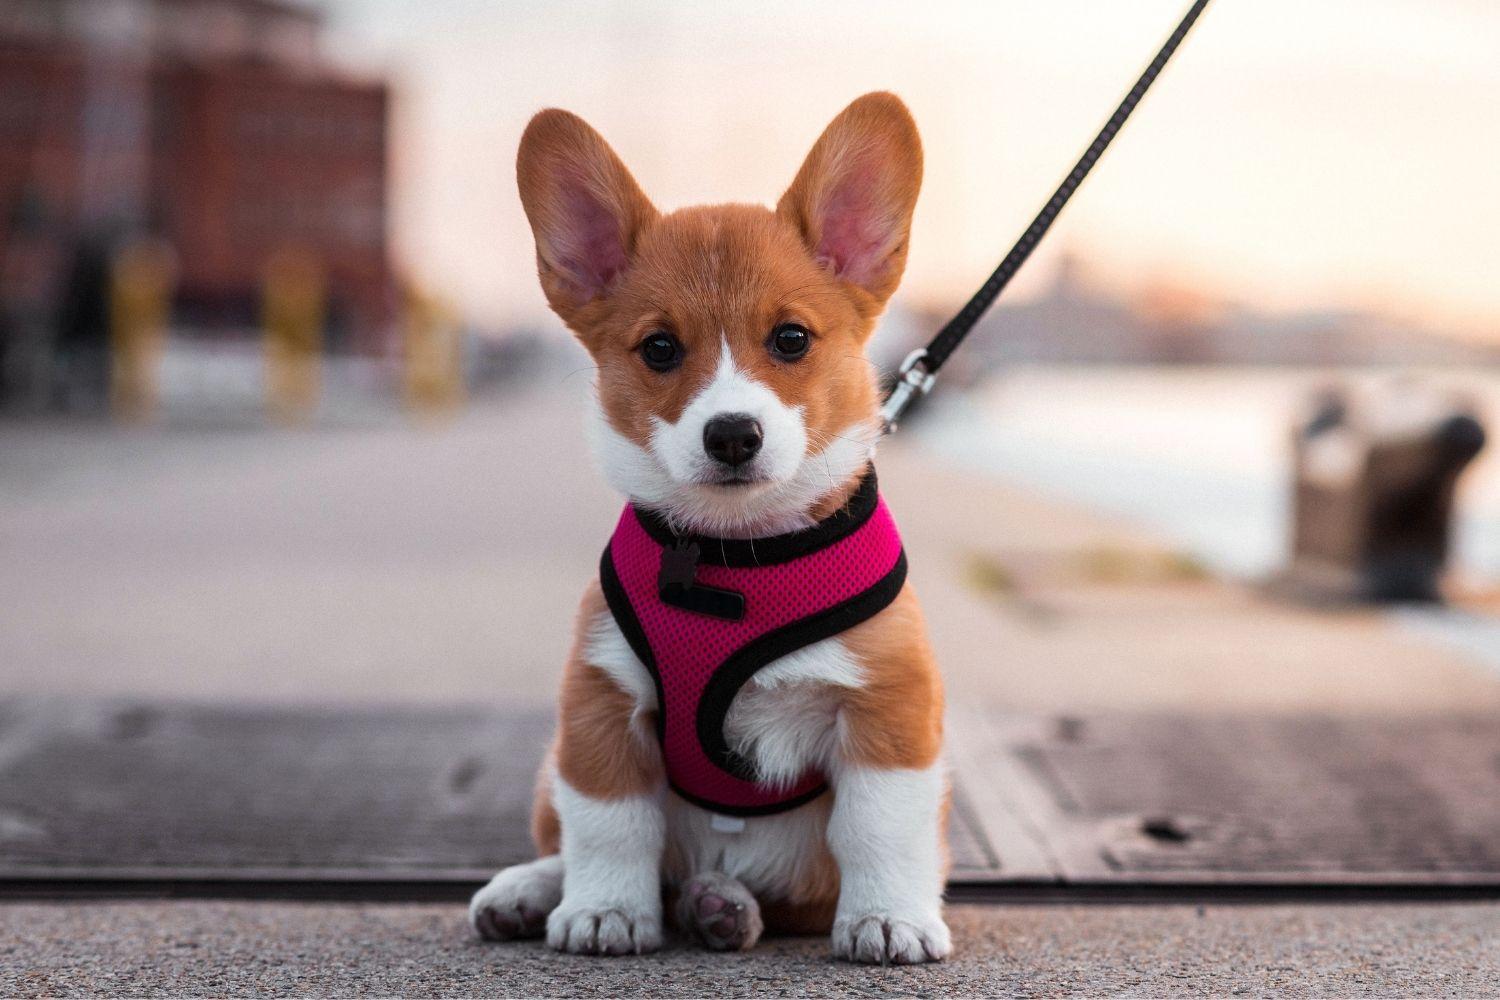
{"x": 921, "y": 366}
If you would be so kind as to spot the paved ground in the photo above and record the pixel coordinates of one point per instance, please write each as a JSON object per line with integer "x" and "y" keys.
{"x": 402, "y": 564}
{"x": 1037, "y": 606}
{"x": 392, "y": 562}
{"x": 443, "y": 796}
{"x": 247, "y": 949}
{"x": 442, "y": 564}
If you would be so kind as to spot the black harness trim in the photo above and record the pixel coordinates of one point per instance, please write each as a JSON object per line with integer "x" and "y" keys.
{"x": 630, "y": 626}
{"x": 736, "y": 671}
{"x": 731, "y": 675}
{"x": 743, "y": 553}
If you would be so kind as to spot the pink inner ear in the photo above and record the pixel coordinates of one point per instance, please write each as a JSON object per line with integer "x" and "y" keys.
{"x": 855, "y": 233}
{"x": 590, "y": 249}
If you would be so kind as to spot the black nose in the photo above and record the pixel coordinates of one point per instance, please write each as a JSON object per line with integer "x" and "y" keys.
{"x": 732, "y": 438}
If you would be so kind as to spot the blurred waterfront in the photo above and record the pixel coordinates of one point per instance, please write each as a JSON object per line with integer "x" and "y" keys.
{"x": 380, "y": 559}
{"x": 279, "y": 395}
{"x": 296, "y": 503}
{"x": 1202, "y": 456}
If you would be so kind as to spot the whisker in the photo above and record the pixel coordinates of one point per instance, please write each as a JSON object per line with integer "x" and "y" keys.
{"x": 575, "y": 371}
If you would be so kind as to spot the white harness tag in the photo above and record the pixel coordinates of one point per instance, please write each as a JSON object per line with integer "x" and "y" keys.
{"x": 727, "y": 824}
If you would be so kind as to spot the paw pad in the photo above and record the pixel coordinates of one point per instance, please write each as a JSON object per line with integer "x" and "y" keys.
{"x": 720, "y": 912}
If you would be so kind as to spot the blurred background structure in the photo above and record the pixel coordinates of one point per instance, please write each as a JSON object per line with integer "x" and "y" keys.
{"x": 284, "y": 420}
{"x": 214, "y": 126}
{"x": 221, "y": 219}
{"x": 1248, "y": 218}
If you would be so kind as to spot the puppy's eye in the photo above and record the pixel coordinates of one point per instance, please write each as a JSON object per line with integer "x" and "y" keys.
{"x": 661, "y": 351}
{"x": 789, "y": 341}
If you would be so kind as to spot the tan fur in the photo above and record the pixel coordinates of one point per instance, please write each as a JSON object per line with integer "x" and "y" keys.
{"x": 944, "y": 820}
{"x": 871, "y": 154}
{"x": 546, "y": 829}
{"x": 895, "y": 719}
{"x": 604, "y": 749}
{"x": 726, "y": 272}
{"x": 564, "y": 163}
{"x": 810, "y": 909}
{"x": 814, "y": 917}
{"x": 827, "y": 258}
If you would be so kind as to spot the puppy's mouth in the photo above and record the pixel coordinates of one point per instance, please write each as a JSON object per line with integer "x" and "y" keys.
{"x": 736, "y": 479}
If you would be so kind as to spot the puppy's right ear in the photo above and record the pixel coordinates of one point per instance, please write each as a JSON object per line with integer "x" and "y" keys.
{"x": 585, "y": 209}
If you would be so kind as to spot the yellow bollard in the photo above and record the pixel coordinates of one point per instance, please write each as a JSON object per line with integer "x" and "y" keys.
{"x": 142, "y": 276}
{"x": 433, "y": 355}
{"x": 292, "y": 316}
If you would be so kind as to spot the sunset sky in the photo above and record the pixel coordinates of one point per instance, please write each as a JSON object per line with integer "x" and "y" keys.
{"x": 1342, "y": 153}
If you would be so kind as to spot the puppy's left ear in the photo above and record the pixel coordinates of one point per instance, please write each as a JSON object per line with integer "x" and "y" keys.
{"x": 853, "y": 198}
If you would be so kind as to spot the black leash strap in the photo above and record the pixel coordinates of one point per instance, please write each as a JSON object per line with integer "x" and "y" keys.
{"x": 921, "y": 366}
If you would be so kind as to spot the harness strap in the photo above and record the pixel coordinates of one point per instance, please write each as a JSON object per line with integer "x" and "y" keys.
{"x": 793, "y": 590}
{"x": 921, "y": 366}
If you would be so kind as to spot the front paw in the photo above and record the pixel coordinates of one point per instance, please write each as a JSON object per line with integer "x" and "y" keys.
{"x": 891, "y": 938}
{"x": 603, "y": 930}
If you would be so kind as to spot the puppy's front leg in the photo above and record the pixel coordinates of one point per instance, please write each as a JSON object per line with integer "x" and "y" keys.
{"x": 611, "y": 852}
{"x": 608, "y": 793}
{"x": 885, "y": 833}
{"x": 890, "y": 796}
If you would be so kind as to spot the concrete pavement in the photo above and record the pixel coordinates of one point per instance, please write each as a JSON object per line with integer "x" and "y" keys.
{"x": 263, "y": 949}
{"x": 409, "y": 565}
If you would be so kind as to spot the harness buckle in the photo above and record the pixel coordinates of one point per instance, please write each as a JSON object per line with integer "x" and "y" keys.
{"x": 677, "y": 584}
{"x": 912, "y": 380}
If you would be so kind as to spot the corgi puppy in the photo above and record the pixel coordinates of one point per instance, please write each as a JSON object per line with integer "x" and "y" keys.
{"x": 750, "y": 729}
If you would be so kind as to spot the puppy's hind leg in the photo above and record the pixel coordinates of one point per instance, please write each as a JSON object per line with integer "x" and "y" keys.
{"x": 720, "y": 912}
{"x": 516, "y": 902}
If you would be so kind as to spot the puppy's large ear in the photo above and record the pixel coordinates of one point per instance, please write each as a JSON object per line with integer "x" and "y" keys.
{"x": 853, "y": 198}
{"x": 585, "y": 209}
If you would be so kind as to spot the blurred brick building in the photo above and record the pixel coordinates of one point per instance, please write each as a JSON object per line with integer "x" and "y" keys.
{"x": 213, "y": 123}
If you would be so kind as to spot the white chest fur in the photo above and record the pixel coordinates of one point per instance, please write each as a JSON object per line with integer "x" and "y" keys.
{"x": 784, "y": 720}
{"x": 785, "y": 717}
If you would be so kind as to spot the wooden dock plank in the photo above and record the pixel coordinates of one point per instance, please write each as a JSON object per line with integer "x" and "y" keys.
{"x": 1164, "y": 797}
{"x": 146, "y": 787}
{"x": 145, "y": 791}
{"x": 148, "y": 791}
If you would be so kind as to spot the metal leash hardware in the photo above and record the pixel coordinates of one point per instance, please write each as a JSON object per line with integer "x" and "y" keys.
{"x": 920, "y": 368}
{"x": 912, "y": 380}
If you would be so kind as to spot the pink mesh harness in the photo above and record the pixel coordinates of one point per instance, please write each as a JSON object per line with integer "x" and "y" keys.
{"x": 704, "y": 614}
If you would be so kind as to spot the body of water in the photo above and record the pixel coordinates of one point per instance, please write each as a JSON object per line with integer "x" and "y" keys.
{"x": 1201, "y": 456}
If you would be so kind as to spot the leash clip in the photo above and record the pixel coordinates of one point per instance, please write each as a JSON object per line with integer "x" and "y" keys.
{"x": 912, "y": 380}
